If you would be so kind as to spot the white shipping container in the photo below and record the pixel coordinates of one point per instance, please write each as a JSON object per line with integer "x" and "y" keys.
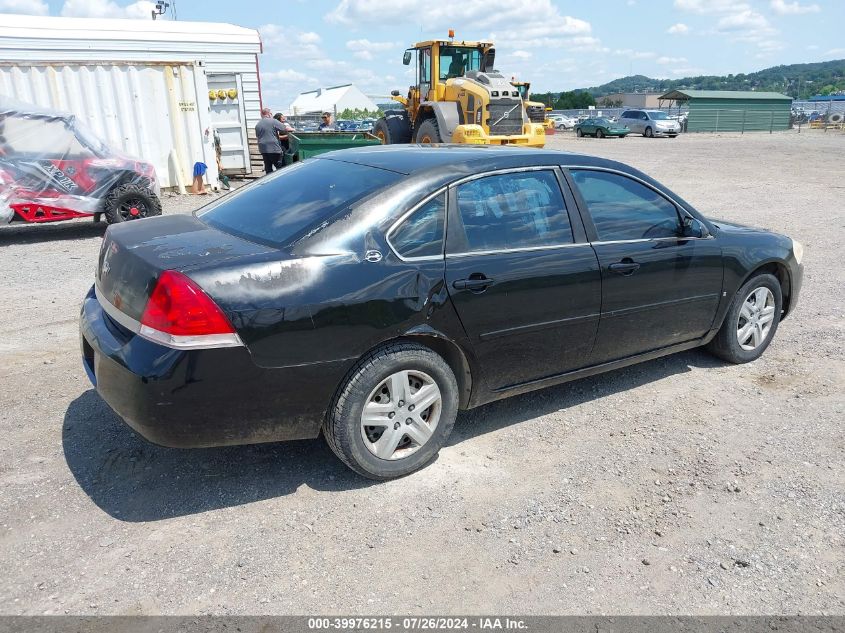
{"x": 112, "y": 60}
{"x": 149, "y": 110}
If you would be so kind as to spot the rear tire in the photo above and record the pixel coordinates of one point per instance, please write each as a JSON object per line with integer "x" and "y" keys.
{"x": 130, "y": 201}
{"x": 404, "y": 447}
{"x": 428, "y": 132}
{"x": 745, "y": 312}
{"x": 393, "y": 128}
{"x": 649, "y": 133}
{"x": 599, "y": 134}
{"x": 579, "y": 133}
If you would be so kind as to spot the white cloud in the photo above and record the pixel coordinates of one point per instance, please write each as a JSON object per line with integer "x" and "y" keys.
{"x": 355, "y": 45}
{"x": 632, "y": 54}
{"x": 687, "y": 72}
{"x": 522, "y": 55}
{"x": 290, "y": 43}
{"x": 107, "y": 9}
{"x": 678, "y": 29}
{"x": 782, "y": 7}
{"x": 671, "y": 60}
{"x": 746, "y": 20}
{"x": 834, "y": 52}
{"x": 516, "y": 23}
{"x": 26, "y": 7}
{"x": 710, "y": 6}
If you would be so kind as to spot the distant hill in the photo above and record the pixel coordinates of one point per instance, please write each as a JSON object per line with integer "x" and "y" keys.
{"x": 817, "y": 78}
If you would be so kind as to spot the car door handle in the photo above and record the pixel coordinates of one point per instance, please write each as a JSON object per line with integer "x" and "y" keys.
{"x": 625, "y": 267}
{"x": 473, "y": 283}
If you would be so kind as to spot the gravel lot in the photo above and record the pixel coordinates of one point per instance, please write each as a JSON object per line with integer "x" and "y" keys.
{"x": 678, "y": 486}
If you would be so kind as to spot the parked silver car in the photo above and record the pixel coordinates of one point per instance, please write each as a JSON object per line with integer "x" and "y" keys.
{"x": 650, "y": 123}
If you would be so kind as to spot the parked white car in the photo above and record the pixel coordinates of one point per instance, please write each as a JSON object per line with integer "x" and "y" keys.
{"x": 563, "y": 122}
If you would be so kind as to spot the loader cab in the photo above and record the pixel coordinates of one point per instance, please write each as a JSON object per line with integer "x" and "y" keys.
{"x": 438, "y": 61}
{"x": 524, "y": 88}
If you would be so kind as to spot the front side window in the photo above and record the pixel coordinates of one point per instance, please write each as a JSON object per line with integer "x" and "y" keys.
{"x": 515, "y": 210}
{"x": 624, "y": 209}
{"x": 455, "y": 61}
{"x": 421, "y": 233}
{"x": 280, "y": 208}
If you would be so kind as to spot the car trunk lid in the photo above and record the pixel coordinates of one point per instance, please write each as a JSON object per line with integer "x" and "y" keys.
{"x": 134, "y": 254}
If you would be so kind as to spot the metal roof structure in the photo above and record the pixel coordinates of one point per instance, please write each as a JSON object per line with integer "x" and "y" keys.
{"x": 89, "y": 34}
{"x": 686, "y": 95}
{"x": 330, "y": 99}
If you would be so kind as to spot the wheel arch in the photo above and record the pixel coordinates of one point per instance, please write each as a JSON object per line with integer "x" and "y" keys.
{"x": 446, "y": 113}
{"x": 781, "y": 272}
{"x": 441, "y": 345}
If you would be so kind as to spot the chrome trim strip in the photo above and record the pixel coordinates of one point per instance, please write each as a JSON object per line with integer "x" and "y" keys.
{"x": 121, "y": 317}
{"x": 507, "y": 170}
{"x": 409, "y": 213}
{"x": 205, "y": 341}
{"x": 515, "y": 250}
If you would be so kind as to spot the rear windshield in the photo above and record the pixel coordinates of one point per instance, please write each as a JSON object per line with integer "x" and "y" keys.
{"x": 280, "y": 208}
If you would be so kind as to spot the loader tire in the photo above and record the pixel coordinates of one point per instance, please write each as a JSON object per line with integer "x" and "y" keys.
{"x": 393, "y": 128}
{"x": 429, "y": 132}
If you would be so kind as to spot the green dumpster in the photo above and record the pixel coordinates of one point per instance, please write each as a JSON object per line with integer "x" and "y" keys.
{"x": 307, "y": 144}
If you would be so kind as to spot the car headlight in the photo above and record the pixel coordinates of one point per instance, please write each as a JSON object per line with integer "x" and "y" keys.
{"x": 798, "y": 251}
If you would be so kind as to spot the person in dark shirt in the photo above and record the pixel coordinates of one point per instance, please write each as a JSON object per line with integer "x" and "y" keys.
{"x": 267, "y": 132}
{"x": 326, "y": 124}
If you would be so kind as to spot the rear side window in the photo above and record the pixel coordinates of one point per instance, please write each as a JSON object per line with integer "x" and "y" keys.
{"x": 515, "y": 210}
{"x": 421, "y": 233}
{"x": 280, "y": 208}
{"x": 626, "y": 114}
{"x": 623, "y": 209}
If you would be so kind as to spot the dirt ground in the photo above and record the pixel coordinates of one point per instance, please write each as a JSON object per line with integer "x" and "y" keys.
{"x": 680, "y": 486}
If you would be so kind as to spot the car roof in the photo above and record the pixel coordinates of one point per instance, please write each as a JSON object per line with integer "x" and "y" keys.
{"x": 416, "y": 159}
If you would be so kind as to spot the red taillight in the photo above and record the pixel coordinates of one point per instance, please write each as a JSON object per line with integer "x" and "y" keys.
{"x": 180, "y": 308}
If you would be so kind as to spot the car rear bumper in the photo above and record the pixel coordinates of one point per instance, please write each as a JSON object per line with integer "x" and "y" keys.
{"x": 201, "y": 397}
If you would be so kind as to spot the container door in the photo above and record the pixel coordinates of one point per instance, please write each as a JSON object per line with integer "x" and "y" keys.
{"x": 228, "y": 119}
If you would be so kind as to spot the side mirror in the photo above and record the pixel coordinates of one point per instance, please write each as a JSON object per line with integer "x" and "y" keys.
{"x": 406, "y": 58}
{"x": 394, "y": 93}
{"x": 693, "y": 227}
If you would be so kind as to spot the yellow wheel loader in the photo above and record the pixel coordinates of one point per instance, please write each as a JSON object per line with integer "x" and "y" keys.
{"x": 458, "y": 97}
{"x": 536, "y": 110}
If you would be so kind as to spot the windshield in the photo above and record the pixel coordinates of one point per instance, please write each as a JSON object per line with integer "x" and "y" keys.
{"x": 278, "y": 209}
{"x": 523, "y": 91}
{"x": 658, "y": 116}
{"x": 455, "y": 61}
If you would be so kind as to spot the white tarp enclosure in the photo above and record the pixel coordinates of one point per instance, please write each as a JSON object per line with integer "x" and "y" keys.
{"x": 144, "y": 86}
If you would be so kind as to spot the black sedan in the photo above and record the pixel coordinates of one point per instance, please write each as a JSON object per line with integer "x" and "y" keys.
{"x": 370, "y": 294}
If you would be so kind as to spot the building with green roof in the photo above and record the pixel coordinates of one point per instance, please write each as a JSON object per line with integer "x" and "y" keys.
{"x": 733, "y": 110}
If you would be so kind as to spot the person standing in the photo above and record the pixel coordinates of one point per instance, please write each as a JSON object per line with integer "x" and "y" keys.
{"x": 326, "y": 124}
{"x": 267, "y": 131}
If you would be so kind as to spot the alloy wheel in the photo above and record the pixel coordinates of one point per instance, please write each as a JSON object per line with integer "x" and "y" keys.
{"x": 401, "y": 414}
{"x": 755, "y": 318}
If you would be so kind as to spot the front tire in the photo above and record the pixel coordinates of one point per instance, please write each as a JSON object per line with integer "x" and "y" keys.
{"x": 130, "y": 201}
{"x": 394, "y": 412}
{"x": 649, "y": 133}
{"x": 599, "y": 134}
{"x": 429, "y": 132}
{"x": 579, "y": 133}
{"x": 751, "y": 321}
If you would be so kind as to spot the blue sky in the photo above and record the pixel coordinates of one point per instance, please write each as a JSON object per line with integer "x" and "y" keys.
{"x": 557, "y": 45}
